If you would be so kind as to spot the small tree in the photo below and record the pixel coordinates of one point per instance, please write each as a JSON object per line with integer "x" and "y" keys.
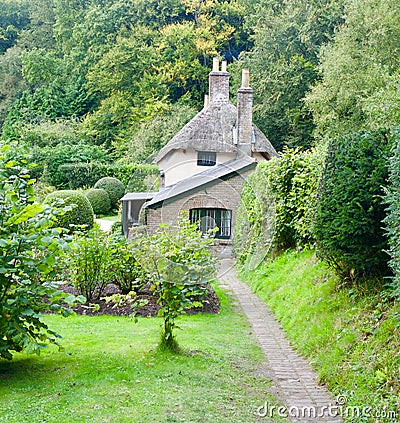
{"x": 28, "y": 256}
{"x": 180, "y": 264}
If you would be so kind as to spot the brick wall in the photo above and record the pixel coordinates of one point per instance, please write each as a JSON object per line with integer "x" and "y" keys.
{"x": 224, "y": 194}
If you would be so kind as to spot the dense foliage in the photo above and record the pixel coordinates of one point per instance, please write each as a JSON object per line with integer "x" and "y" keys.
{"x": 29, "y": 252}
{"x": 111, "y": 67}
{"x": 79, "y": 215}
{"x": 350, "y": 209}
{"x": 278, "y": 204}
{"x": 360, "y": 88}
{"x": 283, "y": 63}
{"x": 393, "y": 210}
{"x": 99, "y": 199}
{"x": 50, "y": 159}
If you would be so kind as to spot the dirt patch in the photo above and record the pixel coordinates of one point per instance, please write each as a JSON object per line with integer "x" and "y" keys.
{"x": 101, "y": 306}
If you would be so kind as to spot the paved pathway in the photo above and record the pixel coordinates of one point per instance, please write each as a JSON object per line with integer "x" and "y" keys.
{"x": 105, "y": 225}
{"x": 295, "y": 382}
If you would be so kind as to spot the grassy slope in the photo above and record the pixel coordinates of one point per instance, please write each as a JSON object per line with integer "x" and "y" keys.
{"x": 111, "y": 372}
{"x": 351, "y": 336}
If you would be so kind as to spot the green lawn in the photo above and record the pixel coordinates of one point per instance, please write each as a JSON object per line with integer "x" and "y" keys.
{"x": 111, "y": 372}
{"x": 113, "y": 218}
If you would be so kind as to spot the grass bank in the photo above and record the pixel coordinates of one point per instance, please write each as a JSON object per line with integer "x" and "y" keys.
{"x": 350, "y": 335}
{"x": 112, "y": 372}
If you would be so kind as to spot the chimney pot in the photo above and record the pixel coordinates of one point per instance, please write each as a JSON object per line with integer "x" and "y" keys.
{"x": 215, "y": 64}
{"x": 206, "y": 100}
{"x": 224, "y": 65}
{"x": 245, "y": 78}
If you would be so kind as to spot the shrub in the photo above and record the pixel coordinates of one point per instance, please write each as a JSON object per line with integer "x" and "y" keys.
{"x": 80, "y": 212}
{"x": 348, "y": 225}
{"x": 100, "y": 200}
{"x": 88, "y": 263}
{"x": 114, "y": 188}
{"x": 128, "y": 274}
{"x": 392, "y": 199}
{"x": 29, "y": 255}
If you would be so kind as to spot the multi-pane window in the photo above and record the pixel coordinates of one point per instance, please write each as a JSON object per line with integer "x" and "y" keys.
{"x": 213, "y": 218}
{"x": 206, "y": 158}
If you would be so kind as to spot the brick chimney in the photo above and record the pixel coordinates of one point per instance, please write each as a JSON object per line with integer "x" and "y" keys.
{"x": 219, "y": 82}
{"x": 244, "y": 122}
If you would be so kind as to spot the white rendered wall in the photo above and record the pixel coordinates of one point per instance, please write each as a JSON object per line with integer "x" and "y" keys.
{"x": 181, "y": 164}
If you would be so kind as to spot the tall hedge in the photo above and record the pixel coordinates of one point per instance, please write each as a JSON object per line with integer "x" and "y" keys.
{"x": 348, "y": 225}
{"x": 136, "y": 177}
{"x": 392, "y": 220}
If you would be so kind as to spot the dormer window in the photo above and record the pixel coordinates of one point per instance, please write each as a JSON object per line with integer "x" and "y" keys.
{"x": 206, "y": 158}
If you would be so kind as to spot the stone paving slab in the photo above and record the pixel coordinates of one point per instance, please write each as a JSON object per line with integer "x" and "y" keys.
{"x": 295, "y": 381}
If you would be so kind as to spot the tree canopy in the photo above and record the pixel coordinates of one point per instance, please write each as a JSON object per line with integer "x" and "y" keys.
{"x": 319, "y": 68}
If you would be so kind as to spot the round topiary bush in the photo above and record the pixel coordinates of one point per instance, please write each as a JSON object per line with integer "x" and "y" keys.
{"x": 114, "y": 187}
{"x": 99, "y": 199}
{"x": 81, "y": 214}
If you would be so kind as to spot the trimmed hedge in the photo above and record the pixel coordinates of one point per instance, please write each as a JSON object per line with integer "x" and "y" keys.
{"x": 392, "y": 219}
{"x": 81, "y": 175}
{"x": 100, "y": 200}
{"x": 81, "y": 212}
{"x": 50, "y": 159}
{"x": 114, "y": 188}
{"x": 348, "y": 225}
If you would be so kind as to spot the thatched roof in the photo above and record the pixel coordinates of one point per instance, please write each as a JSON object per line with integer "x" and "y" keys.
{"x": 212, "y": 130}
{"x": 194, "y": 183}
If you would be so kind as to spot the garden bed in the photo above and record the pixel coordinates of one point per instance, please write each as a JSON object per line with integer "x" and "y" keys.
{"x": 101, "y": 306}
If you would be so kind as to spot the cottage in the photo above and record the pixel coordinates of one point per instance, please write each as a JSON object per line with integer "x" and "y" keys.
{"x": 204, "y": 166}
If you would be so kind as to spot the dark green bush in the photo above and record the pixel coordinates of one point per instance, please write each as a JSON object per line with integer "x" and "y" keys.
{"x": 80, "y": 213}
{"x": 348, "y": 225}
{"x": 114, "y": 188}
{"x": 100, "y": 200}
{"x": 392, "y": 219}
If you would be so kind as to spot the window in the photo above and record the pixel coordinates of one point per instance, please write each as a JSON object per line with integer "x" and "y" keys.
{"x": 206, "y": 158}
{"x": 213, "y": 218}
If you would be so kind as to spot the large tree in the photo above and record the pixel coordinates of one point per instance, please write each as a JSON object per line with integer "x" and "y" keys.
{"x": 287, "y": 38}
{"x": 360, "y": 87}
